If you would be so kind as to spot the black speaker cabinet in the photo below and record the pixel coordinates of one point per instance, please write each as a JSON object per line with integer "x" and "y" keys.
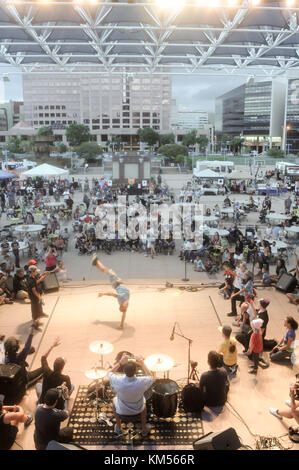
{"x": 12, "y": 383}
{"x": 225, "y": 440}
{"x": 50, "y": 283}
{"x": 286, "y": 283}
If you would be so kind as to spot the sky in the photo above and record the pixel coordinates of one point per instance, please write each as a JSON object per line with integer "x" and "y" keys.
{"x": 192, "y": 92}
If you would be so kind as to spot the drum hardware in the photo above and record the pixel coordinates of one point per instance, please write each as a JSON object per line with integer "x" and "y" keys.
{"x": 97, "y": 374}
{"x": 159, "y": 363}
{"x": 190, "y": 341}
{"x": 101, "y": 348}
{"x": 194, "y": 373}
{"x": 165, "y": 398}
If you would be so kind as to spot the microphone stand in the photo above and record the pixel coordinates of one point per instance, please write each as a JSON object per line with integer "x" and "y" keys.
{"x": 189, "y": 350}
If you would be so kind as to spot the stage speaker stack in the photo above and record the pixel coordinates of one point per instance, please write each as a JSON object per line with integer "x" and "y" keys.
{"x": 12, "y": 383}
{"x": 225, "y": 440}
{"x": 54, "y": 445}
{"x": 286, "y": 283}
{"x": 50, "y": 283}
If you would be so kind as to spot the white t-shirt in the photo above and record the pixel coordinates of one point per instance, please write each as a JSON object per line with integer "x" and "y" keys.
{"x": 129, "y": 391}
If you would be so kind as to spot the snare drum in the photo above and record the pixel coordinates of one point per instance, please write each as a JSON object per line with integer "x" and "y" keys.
{"x": 165, "y": 398}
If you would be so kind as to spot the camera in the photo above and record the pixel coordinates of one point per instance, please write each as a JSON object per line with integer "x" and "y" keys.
{"x": 63, "y": 391}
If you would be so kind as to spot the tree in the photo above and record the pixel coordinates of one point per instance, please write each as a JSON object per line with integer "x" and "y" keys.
{"x": 202, "y": 141}
{"x": 45, "y": 131}
{"x": 61, "y": 147}
{"x": 89, "y": 150}
{"x": 14, "y": 145}
{"x": 167, "y": 139}
{"x": 26, "y": 145}
{"x": 148, "y": 135}
{"x": 115, "y": 143}
{"x": 276, "y": 153}
{"x": 236, "y": 144}
{"x": 173, "y": 151}
{"x": 190, "y": 139}
{"x": 77, "y": 133}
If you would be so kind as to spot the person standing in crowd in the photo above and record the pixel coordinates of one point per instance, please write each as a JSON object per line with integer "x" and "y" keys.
{"x": 50, "y": 260}
{"x": 255, "y": 344}
{"x": 228, "y": 349}
{"x": 15, "y": 249}
{"x": 35, "y": 296}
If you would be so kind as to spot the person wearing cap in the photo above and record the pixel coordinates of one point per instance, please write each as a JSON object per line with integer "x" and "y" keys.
{"x": 48, "y": 420}
{"x": 255, "y": 344}
{"x": 122, "y": 292}
{"x": 228, "y": 349}
{"x": 34, "y": 295}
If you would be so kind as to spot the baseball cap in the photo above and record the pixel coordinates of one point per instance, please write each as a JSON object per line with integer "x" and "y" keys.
{"x": 264, "y": 302}
{"x": 32, "y": 268}
{"x": 31, "y": 262}
{"x": 51, "y": 396}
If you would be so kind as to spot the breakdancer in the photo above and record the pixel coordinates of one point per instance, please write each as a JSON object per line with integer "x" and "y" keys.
{"x": 122, "y": 293}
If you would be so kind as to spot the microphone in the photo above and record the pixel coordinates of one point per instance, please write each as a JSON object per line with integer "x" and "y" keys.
{"x": 172, "y": 333}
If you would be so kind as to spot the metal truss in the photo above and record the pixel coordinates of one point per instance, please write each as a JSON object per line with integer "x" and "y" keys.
{"x": 120, "y": 38}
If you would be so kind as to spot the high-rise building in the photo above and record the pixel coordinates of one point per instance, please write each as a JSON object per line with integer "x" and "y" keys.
{"x": 189, "y": 119}
{"x": 291, "y": 137}
{"x": 109, "y": 105}
{"x": 10, "y": 114}
{"x": 255, "y": 111}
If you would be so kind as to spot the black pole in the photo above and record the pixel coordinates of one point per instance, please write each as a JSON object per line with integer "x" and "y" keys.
{"x": 185, "y": 279}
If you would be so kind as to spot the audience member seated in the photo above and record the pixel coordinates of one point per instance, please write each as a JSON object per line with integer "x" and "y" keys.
{"x": 12, "y": 356}
{"x": 48, "y": 420}
{"x": 214, "y": 384}
{"x": 53, "y": 378}
{"x": 284, "y": 351}
{"x": 293, "y": 403}
{"x": 10, "y": 418}
{"x": 20, "y": 290}
{"x": 129, "y": 389}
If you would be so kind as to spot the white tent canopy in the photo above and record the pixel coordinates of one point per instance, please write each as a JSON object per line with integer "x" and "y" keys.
{"x": 45, "y": 170}
{"x": 206, "y": 173}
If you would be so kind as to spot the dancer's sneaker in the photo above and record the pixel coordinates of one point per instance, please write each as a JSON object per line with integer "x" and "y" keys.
{"x": 274, "y": 412}
{"x": 94, "y": 259}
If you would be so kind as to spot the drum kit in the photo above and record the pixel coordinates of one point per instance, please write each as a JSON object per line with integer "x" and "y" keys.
{"x": 163, "y": 394}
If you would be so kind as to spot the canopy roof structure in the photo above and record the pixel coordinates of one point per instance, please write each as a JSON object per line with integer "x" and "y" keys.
{"x": 206, "y": 174}
{"x": 132, "y": 36}
{"x": 45, "y": 170}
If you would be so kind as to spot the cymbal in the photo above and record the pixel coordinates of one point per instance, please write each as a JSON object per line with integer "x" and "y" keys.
{"x": 95, "y": 373}
{"x": 101, "y": 347}
{"x": 159, "y": 362}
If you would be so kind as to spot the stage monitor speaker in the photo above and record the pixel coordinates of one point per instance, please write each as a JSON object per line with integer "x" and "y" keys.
{"x": 50, "y": 283}
{"x": 12, "y": 383}
{"x": 54, "y": 445}
{"x": 225, "y": 440}
{"x": 286, "y": 283}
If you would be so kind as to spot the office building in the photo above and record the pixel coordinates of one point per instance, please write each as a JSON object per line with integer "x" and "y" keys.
{"x": 291, "y": 136}
{"x": 254, "y": 111}
{"x": 109, "y": 105}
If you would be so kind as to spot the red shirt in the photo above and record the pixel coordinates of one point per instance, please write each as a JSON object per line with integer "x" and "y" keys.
{"x": 50, "y": 261}
{"x": 256, "y": 343}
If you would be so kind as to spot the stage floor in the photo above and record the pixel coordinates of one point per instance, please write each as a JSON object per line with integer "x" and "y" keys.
{"x": 79, "y": 317}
